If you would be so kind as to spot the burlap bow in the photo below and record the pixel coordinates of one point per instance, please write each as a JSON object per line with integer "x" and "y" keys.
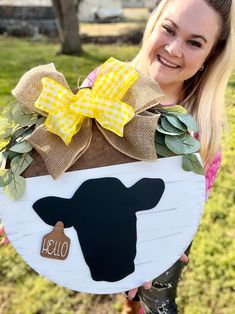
{"x": 139, "y": 134}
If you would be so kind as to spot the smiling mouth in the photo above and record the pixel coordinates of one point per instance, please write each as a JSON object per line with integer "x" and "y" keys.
{"x": 167, "y": 63}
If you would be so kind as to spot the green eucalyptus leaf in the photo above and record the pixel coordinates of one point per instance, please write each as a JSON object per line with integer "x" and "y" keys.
{"x": 19, "y": 109}
{"x": 16, "y": 188}
{"x": 163, "y": 131}
{"x": 176, "y": 123}
{"x": 160, "y": 138}
{"x": 17, "y": 132}
{"x": 20, "y": 163}
{"x": 163, "y": 151}
{"x": 175, "y": 109}
{"x": 21, "y": 148}
{"x": 182, "y": 144}
{"x": 40, "y": 121}
{"x": 169, "y": 127}
{"x": 3, "y": 159}
{"x": 23, "y": 117}
{"x": 5, "y": 177}
{"x": 24, "y": 135}
{"x": 189, "y": 121}
{"x": 12, "y": 155}
{"x": 192, "y": 163}
{"x": 3, "y": 144}
{"x": 5, "y": 128}
{"x": 7, "y": 111}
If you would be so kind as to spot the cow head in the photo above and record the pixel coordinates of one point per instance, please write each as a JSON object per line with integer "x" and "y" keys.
{"x": 103, "y": 213}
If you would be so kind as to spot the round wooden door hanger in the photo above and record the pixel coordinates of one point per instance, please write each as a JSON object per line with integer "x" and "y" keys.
{"x": 118, "y": 217}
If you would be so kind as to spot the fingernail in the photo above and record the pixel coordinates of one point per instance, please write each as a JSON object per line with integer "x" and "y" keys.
{"x": 148, "y": 285}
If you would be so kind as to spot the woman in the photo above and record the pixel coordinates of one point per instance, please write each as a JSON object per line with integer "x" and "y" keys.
{"x": 188, "y": 48}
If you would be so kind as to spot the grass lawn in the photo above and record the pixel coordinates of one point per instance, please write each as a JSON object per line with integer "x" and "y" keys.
{"x": 208, "y": 280}
{"x": 18, "y": 56}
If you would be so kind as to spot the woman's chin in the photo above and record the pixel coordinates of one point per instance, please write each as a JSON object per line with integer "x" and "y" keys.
{"x": 160, "y": 79}
{"x": 159, "y": 75}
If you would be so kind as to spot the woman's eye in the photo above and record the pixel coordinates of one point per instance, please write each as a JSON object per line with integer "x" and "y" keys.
{"x": 194, "y": 43}
{"x": 168, "y": 29}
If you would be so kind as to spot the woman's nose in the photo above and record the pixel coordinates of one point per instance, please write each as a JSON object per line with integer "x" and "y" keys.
{"x": 174, "y": 48}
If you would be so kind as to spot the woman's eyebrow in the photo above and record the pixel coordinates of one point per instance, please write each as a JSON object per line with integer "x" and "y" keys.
{"x": 193, "y": 35}
{"x": 199, "y": 36}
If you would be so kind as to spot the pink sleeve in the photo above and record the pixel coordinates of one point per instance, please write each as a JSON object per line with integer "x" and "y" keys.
{"x": 89, "y": 81}
{"x": 211, "y": 172}
{"x": 212, "y": 169}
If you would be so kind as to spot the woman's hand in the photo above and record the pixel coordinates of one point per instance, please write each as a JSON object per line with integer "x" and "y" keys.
{"x": 4, "y": 239}
{"x": 147, "y": 285}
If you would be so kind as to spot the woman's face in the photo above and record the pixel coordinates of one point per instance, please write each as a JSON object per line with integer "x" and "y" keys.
{"x": 181, "y": 41}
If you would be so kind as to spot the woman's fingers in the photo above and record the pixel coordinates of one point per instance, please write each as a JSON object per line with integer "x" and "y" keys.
{"x": 147, "y": 285}
{"x": 132, "y": 292}
{"x": 184, "y": 258}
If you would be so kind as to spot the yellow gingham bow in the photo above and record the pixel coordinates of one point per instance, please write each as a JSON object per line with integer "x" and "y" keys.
{"x": 66, "y": 111}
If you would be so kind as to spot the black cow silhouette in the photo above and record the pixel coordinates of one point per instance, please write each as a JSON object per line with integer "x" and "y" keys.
{"x": 103, "y": 213}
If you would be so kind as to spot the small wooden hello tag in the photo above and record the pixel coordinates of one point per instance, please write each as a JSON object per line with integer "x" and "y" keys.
{"x": 56, "y": 244}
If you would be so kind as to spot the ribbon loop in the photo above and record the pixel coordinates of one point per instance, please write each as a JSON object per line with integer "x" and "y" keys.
{"x": 66, "y": 111}
{"x": 114, "y": 79}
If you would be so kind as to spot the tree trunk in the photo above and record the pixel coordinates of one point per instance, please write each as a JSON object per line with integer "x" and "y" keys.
{"x": 68, "y": 26}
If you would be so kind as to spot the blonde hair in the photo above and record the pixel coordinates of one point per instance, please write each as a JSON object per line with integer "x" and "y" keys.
{"x": 204, "y": 93}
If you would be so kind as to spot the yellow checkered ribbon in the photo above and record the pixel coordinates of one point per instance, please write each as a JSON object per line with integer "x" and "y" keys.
{"x": 66, "y": 111}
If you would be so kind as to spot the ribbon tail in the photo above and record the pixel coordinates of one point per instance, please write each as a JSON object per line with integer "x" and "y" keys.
{"x": 144, "y": 94}
{"x": 57, "y": 156}
{"x": 140, "y": 144}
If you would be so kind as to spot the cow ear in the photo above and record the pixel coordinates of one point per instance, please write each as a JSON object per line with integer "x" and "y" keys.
{"x": 53, "y": 209}
{"x": 146, "y": 193}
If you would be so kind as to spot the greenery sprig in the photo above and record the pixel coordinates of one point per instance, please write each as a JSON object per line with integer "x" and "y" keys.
{"x": 15, "y": 152}
{"x": 173, "y": 136}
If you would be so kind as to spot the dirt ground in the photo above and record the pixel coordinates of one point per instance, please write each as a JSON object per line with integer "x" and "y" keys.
{"x": 101, "y": 304}
{"x": 133, "y": 19}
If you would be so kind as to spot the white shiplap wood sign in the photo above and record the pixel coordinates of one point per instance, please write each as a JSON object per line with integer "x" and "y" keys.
{"x": 163, "y": 232}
